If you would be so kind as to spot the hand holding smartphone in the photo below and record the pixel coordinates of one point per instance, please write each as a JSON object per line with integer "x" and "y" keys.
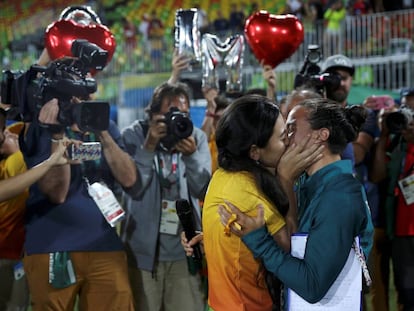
{"x": 88, "y": 151}
{"x": 379, "y": 102}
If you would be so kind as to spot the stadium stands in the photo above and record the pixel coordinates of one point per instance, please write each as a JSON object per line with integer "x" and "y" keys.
{"x": 377, "y": 55}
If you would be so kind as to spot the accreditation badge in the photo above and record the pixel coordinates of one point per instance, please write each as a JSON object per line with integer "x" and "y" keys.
{"x": 107, "y": 203}
{"x": 18, "y": 271}
{"x": 407, "y": 188}
{"x": 169, "y": 219}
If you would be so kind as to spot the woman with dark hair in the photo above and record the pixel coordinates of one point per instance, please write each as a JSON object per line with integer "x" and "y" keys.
{"x": 251, "y": 140}
{"x": 331, "y": 204}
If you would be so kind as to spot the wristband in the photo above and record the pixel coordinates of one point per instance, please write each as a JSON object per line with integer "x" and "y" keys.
{"x": 57, "y": 139}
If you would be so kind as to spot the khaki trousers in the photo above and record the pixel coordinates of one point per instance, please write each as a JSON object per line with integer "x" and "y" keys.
{"x": 14, "y": 294}
{"x": 101, "y": 283}
{"x": 170, "y": 288}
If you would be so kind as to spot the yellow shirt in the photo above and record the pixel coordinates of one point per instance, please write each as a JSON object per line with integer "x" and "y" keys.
{"x": 334, "y": 19}
{"x": 12, "y": 211}
{"x": 232, "y": 269}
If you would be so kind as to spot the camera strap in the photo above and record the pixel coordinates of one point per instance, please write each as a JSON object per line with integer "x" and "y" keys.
{"x": 170, "y": 189}
{"x": 169, "y": 176}
{"x": 145, "y": 126}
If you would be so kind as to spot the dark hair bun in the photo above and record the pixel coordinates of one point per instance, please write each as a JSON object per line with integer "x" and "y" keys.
{"x": 356, "y": 116}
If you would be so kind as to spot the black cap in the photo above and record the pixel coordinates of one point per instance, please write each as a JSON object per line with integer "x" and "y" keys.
{"x": 338, "y": 61}
{"x": 406, "y": 92}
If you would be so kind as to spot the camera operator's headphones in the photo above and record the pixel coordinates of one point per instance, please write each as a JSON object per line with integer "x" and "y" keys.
{"x": 83, "y": 8}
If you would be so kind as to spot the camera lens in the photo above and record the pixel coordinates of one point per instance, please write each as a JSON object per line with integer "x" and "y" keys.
{"x": 181, "y": 126}
{"x": 90, "y": 54}
{"x": 314, "y": 57}
{"x": 396, "y": 122}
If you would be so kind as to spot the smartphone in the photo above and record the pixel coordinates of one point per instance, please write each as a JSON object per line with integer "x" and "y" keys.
{"x": 86, "y": 151}
{"x": 380, "y": 102}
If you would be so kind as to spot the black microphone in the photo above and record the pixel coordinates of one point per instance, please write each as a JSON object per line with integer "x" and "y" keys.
{"x": 185, "y": 214}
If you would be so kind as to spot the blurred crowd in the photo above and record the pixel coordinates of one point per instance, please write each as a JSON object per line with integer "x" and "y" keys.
{"x": 149, "y": 36}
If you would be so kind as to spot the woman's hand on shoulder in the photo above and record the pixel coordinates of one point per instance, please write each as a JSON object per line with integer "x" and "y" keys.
{"x": 237, "y": 222}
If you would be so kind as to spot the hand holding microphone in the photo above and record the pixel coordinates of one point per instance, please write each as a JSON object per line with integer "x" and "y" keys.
{"x": 189, "y": 245}
{"x": 185, "y": 214}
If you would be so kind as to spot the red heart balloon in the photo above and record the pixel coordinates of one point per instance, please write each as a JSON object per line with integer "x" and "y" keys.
{"x": 273, "y": 38}
{"x": 60, "y": 35}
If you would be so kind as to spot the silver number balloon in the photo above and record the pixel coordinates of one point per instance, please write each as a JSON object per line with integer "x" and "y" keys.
{"x": 187, "y": 34}
{"x": 227, "y": 55}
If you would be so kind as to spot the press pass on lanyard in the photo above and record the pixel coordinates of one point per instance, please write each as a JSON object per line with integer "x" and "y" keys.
{"x": 107, "y": 203}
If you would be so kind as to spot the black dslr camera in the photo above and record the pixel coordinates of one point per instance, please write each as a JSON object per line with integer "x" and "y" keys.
{"x": 399, "y": 120}
{"x": 310, "y": 75}
{"x": 179, "y": 126}
{"x": 62, "y": 79}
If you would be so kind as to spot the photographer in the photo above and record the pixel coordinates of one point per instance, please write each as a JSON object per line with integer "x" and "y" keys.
{"x": 393, "y": 164}
{"x": 71, "y": 249}
{"x": 173, "y": 162}
{"x": 14, "y": 181}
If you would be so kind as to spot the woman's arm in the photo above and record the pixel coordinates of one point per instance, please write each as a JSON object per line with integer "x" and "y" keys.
{"x": 179, "y": 63}
{"x": 270, "y": 78}
{"x": 208, "y": 122}
{"x": 12, "y": 186}
{"x": 327, "y": 250}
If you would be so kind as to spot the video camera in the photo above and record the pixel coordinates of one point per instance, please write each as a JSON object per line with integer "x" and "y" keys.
{"x": 310, "y": 74}
{"x": 62, "y": 79}
{"x": 8, "y": 94}
{"x": 179, "y": 126}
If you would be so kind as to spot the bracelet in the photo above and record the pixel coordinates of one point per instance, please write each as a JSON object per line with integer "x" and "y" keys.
{"x": 56, "y": 140}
